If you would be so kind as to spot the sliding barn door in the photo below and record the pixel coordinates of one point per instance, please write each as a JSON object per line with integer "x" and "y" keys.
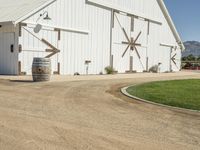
{"x": 165, "y": 59}
{"x": 121, "y": 64}
{"x": 175, "y": 59}
{"x": 32, "y": 46}
{"x": 129, "y": 43}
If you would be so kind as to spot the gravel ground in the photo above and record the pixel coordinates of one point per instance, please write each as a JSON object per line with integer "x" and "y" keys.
{"x": 89, "y": 113}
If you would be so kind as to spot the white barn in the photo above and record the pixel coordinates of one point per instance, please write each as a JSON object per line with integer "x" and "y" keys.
{"x": 129, "y": 35}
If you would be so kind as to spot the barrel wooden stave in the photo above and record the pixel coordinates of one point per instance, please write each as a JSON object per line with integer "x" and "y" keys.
{"x": 41, "y": 69}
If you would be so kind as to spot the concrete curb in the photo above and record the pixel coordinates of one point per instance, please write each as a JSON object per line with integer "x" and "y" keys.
{"x": 124, "y": 91}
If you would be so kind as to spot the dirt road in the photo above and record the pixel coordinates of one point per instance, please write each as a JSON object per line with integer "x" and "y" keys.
{"x": 89, "y": 114}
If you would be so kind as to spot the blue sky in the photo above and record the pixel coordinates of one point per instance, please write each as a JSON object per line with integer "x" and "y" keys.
{"x": 186, "y": 16}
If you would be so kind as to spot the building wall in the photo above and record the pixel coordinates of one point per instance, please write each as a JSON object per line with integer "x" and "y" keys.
{"x": 94, "y": 43}
{"x": 158, "y": 34}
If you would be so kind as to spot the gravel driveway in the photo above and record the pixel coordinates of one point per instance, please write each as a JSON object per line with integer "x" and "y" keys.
{"x": 89, "y": 113}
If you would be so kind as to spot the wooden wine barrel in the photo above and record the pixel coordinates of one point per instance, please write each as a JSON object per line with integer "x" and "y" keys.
{"x": 41, "y": 69}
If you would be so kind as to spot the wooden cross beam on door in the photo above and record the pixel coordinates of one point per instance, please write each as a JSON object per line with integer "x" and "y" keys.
{"x": 53, "y": 49}
{"x": 174, "y": 60}
{"x": 132, "y": 44}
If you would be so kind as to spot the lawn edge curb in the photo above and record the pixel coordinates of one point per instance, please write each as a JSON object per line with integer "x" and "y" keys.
{"x": 124, "y": 92}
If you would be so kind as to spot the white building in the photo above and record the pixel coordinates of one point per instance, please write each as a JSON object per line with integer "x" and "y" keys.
{"x": 93, "y": 31}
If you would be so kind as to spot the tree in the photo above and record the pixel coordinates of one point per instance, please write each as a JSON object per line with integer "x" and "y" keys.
{"x": 191, "y": 58}
{"x": 184, "y": 58}
{"x": 198, "y": 58}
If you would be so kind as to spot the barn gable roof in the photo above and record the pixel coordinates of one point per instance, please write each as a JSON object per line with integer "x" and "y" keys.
{"x": 16, "y": 11}
{"x": 171, "y": 23}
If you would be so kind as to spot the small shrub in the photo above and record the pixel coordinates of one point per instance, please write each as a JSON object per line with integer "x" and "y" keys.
{"x": 76, "y": 74}
{"x": 154, "y": 69}
{"x": 110, "y": 70}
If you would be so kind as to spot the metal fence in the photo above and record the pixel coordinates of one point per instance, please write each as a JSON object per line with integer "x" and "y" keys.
{"x": 191, "y": 65}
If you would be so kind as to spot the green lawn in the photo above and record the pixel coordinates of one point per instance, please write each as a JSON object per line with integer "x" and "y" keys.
{"x": 178, "y": 93}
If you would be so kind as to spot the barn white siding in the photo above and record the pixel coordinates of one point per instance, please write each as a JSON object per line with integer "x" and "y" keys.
{"x": 86, "y": 34}
{"x": 75, "y": 48}
{"x": 154, "y": 53}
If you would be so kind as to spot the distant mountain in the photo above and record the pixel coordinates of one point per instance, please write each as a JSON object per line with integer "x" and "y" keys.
{"x": 192, "y": 47}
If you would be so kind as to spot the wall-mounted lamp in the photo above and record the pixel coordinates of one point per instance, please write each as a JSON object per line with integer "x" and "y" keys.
{"x": 46, "y": 14}
{"x": 38, "y": 26}
{"x": 47, "y": 17}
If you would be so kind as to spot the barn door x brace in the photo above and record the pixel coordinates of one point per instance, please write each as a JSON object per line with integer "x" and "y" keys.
{"x": 173, "y": 58}
{"x": 52, "y": 49}
{"x": 131, "y": 42}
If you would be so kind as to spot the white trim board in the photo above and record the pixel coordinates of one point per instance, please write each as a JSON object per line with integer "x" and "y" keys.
{"x": 171, "y": 24}
{"x": 167, "y": 45}
{"x": 52, "y": 27}
{"x": 118, "y": 8}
